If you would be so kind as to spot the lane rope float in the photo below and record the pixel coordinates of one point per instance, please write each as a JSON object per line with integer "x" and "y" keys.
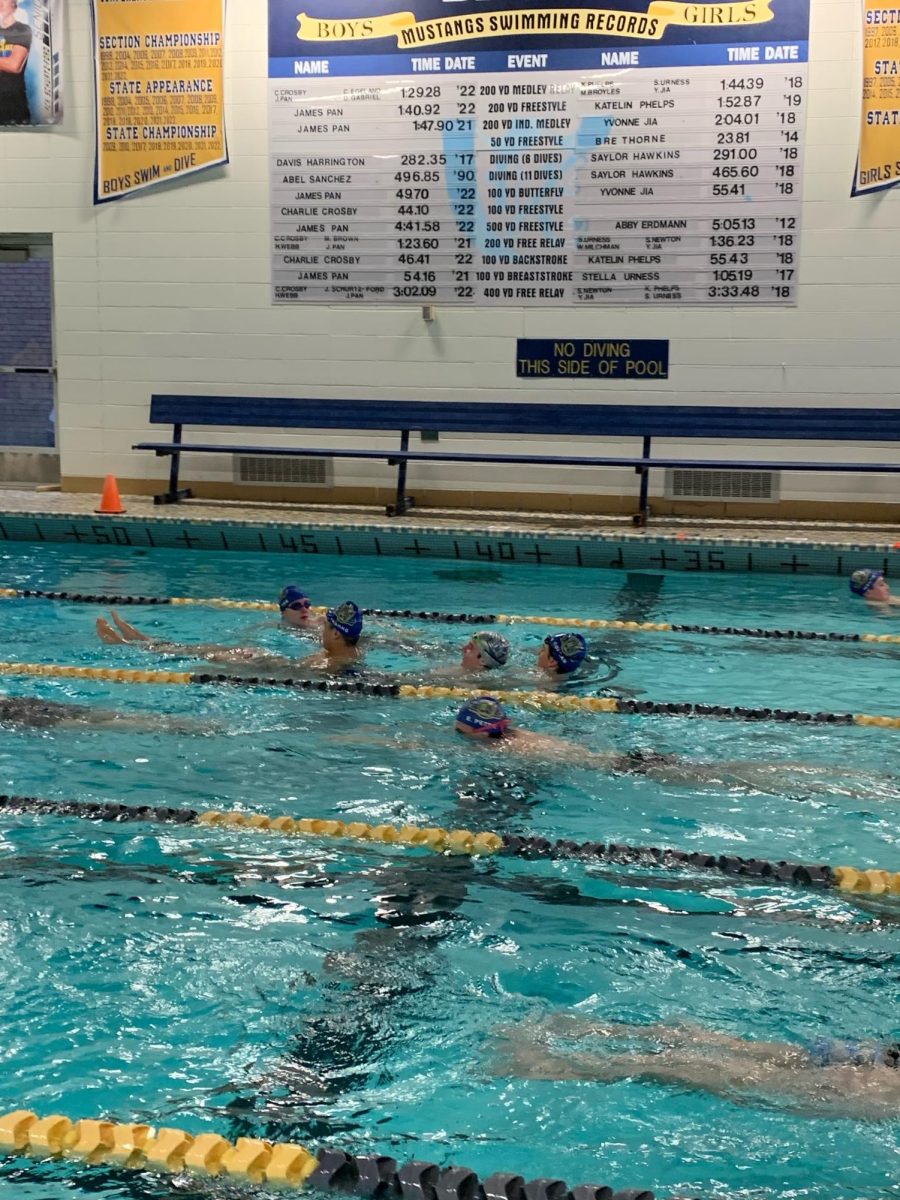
{"x": 472, "y": 618}
{"x": 549, "y": 701}
{"x": 468, "y": 842}
{"x": 284, "y": 1164}
{"x": 223, "y": 602}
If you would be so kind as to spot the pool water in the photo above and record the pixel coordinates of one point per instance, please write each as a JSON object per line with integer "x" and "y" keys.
{"x": 351, "y": 996}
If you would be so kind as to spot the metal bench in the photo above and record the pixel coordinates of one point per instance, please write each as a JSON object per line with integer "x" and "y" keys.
{"x": 558, "y": 421}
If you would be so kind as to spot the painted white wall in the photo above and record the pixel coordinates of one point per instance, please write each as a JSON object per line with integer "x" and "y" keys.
{"x": 169, "y": 291}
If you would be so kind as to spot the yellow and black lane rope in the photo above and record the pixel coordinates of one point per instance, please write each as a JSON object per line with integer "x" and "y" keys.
{"x": 282, "y": 1165}
{"x": 469, "y": 842}
{"x": 548, "y": 701}
{"x": 799, "y": 635}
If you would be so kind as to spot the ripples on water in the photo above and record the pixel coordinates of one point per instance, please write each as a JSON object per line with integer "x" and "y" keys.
{"x": 341, "y": 995}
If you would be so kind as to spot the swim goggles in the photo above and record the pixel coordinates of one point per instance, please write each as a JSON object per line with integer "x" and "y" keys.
{"x": 294, "y": 598}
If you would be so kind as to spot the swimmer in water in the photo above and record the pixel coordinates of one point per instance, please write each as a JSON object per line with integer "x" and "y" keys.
{"x": 872, "y": 586}
{"x": 561, "y": 654}
{"x": 340, "y": 632}
{"x": 484, "y": 719}
{"x": 30, "y": 712}
{"x": 296, "y": 609}
{"x": 832, "y": 1076}
{"x": 484, "y": 651}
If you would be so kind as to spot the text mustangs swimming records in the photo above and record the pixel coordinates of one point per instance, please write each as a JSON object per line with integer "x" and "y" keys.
{"x": 587, "y": 170}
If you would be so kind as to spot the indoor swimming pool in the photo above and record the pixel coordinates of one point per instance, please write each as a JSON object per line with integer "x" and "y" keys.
{"x": 386, "y": 1000}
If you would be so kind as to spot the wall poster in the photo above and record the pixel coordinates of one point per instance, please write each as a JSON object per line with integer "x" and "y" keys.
{"x": 31, "y": 33}
{"x": 532, "y": 152}
{"x": 878, "y": 160}
{"x": 159, "y": 92}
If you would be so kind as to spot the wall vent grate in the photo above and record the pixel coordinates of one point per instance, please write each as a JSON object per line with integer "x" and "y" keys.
{"x": 271, "y": 469}
{"x": 683, "y": 484}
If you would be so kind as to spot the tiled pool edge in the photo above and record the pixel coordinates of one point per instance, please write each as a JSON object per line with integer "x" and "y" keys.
{"x": 487, "y": 543}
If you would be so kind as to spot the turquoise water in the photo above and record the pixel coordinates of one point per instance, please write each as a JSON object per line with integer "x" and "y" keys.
{"x": 341, "y": 995}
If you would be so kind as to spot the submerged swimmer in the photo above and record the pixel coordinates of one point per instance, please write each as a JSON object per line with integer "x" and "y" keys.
{"x": 484, "y": 718}
{"x": 31, "y": 712}
{"x": 340, "y": 633}
{"x": 872, "y": 586}
{"x": 842, "y": 1078}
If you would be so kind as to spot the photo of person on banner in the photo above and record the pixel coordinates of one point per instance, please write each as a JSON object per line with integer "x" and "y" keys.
{"x": 15, "y": 45}
{"x": 30, "y": 33}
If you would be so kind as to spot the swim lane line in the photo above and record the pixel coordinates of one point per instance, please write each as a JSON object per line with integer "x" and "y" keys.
{"x": 468, "y": 842}
{"x": 280, "y": 1164}
{"x": 471, "y": 618}
{"x": 548, "y": 701}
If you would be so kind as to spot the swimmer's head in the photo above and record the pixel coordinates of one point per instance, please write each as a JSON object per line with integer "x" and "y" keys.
{"x": 485, "y": 651}
{"x": 870, "y": 584}
{"x": 294, "y": 604}
{"x": 346, "y": 620}
{"x": 483, "y": 716}
{"x": 562, "y": 653}
{"x": 890, "y": 1055}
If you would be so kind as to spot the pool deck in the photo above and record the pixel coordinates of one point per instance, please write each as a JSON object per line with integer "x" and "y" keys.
{"x": 536, "y": 538}
{"x": 326, "y": 516}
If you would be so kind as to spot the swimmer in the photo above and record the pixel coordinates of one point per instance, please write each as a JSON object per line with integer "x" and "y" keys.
{"x": 340, "y": 632}
{"x": 484, "y": 651}
{"x": 484, "y": 718}
{"x": 562, "y": 653}
{"x": 841, "y": 1078}
{"x": 30, "y": 712}
{"x": 871, "y": 585}
{"x": 296, "y": 609}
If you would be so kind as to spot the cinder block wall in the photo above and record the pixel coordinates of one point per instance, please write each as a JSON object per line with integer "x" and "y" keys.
{"x": 170, "y": 291}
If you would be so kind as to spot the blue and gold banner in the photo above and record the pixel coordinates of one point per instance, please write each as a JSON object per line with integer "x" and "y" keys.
{"x": 878, "y": 160}
{"x": 159, "y": 79}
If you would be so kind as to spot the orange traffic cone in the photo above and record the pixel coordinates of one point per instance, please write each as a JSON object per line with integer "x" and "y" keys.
{"x": 110, "y": 501}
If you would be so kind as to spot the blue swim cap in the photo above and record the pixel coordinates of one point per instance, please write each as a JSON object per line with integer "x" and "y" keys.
{"x": 290, "y": 595}
{"x": 484, "y": 713}
{"x": 346, "y": 619}
{"x": 568, "y": 651}
{"x": 494, "y": 648}
{"x": 864, "y": 579}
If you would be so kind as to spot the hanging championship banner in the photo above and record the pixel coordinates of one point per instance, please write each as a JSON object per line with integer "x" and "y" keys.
{"x": 878, "y": 161}
{"x": 159, "y": 92}
{"x": 30, "y": 55}
{"x": 518, "y": 152}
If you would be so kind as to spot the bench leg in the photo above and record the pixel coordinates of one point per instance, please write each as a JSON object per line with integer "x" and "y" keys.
{"x": 402, "y": 502}
{"x": 175, "y": 493}
{"x": 642, "y": 516}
